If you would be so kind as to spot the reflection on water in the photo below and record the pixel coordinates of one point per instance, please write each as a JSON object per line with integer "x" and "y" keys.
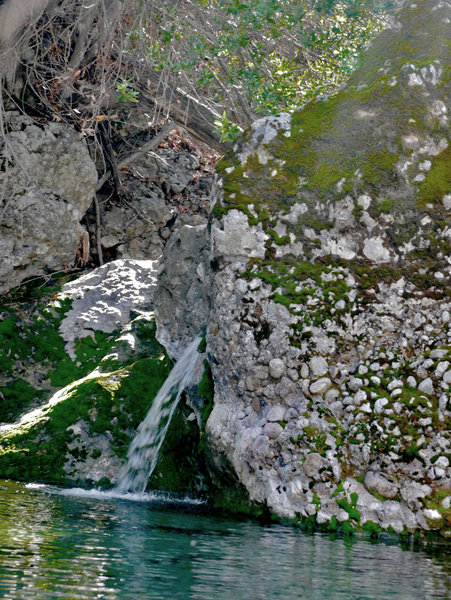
{"x": 61, "y": 546}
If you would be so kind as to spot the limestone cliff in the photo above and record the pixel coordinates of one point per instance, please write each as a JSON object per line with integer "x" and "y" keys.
{"x": 328, "y": 333}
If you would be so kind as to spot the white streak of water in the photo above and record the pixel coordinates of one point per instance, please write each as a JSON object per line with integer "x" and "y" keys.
{"x": 142, "y": 456}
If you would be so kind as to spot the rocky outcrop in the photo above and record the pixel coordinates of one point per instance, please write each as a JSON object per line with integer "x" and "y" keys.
{"x": 328, "y": 332}
{"x": 47, "y": 181}
{"x": 182, "y": 295}
{"x": 80, "y": 368}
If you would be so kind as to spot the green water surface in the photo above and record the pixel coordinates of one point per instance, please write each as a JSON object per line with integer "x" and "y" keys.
{"x": 55, "y": 544}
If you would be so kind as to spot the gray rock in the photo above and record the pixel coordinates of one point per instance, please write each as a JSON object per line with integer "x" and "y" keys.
{"x": 338, "y": 321}
{"x": 426, "y": 386}
{"x": 182, "y": 297}
{"x": 313, "y": 464}
{"x": 412, "y": 492}
{"x": 276, "y": 413}
{"x": 48, "y": 187}
{"x": 276, "y": 368}
{"x": 320, "y": 386}
{"x": 318, "y": 366}
{"x": 377, "y": 482}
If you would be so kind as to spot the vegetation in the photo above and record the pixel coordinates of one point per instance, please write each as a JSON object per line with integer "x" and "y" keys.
{"x": 211, "y": 66}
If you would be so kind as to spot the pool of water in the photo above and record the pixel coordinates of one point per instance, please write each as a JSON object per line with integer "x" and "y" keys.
{"x": 62, "y": 544}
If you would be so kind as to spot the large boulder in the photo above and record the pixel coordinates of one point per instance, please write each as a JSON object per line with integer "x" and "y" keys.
{"x": 47, "y": 182}
{"x": 328, "y": 332}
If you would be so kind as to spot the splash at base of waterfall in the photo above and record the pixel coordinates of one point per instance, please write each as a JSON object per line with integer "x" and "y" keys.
{"x": 142, "y": 456}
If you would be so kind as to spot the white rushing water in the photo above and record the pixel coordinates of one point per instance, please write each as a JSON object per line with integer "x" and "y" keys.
{"x": 142, "y": 456}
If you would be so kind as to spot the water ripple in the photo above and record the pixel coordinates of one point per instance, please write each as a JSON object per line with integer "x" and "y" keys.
{"x": 88, "y": 545}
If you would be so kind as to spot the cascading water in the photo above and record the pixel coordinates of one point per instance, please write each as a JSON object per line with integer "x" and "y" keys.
{"x": 142, "y": 456}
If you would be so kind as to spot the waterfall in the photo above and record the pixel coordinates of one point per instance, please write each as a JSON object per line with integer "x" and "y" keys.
{"x": 142, "y": 455}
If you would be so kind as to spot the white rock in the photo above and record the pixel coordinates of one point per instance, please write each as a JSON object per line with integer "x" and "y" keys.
{"x": 332, "y": 395}
{"x": 276, "y": 368}
{"x": 432, "y": 513}
{"x": 360, "y": 397}
{"x": 237, "y": 237}
{"x": 395, "y": 383}
{"x": 318, "y": 366}
{"x": 379, "y": 405}
{"x": 426, "y": 386}
{"x": 375, "y": 250}
{"x": 320, "y": 386}
{"x": 102, "y": 299}
{"x": 364, "y": 201}
{"x": 411, "y": 381}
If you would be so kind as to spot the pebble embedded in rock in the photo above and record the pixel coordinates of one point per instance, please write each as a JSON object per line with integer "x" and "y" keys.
{"x": 318, "y": 366}
{"x": 273, "y": 430}
{"x": 426, "y": 386}
{"x": 276, "y": 413}
{"x": 276, "y": 368}
{"x": 320, "y": 386}
{"x": 312, "y": 465}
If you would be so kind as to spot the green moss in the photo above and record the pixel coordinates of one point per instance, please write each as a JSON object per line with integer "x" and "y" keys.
{"x": 206, "y": 390}
{"x": 181, "y": 463}
{"x": 372, "y": 528}
{"x": 15, "y": 398}
{"x": 350, "y": 507}
{"x": 115, "y": 402}
{"x": 438, "y": 180}
{"x": 386, "y": 205}
{"x": 203, "y": 345}
{"x": 33, "y": 339}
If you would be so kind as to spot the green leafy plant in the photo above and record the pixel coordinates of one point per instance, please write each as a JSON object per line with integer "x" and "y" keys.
{"x": 125, "y": 91}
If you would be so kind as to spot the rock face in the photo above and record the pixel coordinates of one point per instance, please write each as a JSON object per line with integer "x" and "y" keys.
{"x": 328, "y": 331}
{"x": 47, "y": 182}
{"x": 182, "y": 295}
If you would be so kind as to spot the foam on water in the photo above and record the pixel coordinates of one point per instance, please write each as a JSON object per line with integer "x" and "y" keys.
{"x": 95, "y": 494}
